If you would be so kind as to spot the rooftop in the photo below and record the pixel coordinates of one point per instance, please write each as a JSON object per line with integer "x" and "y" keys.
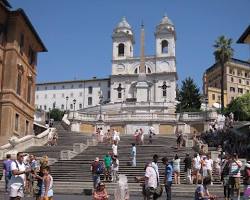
{"x": 244, "y": 36}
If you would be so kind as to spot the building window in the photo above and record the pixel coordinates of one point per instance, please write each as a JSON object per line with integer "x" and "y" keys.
{"x": 247, "y": 82}
{"x": 62, "y": 107}
{"x": 72, "y": 86}
{"x": 136, "y": 71}
{"x": 232, "y": 89}
{"x": 27, "y": 127}
{"x": 80, "y": 85}
{"x": 32, "y": 56}
{"x": 109, "y": 94}
{"x": 21, "y": 43}
{"x": 231, "y": 71}
{"x": 164, "y": 46}
{"x": 239, "y": 80}
{"x": 219, "y": 97}
{"x": 19, "y": 82}
{"x": 71, "y": 106}
{"x": 240, "y": 90}
{"x": 247, "y": 91}
{"x": 89, "y": 101}
{"x": 213, "y": 96}
{"x": 54, "y": 87}
{"x": 45, "y": 107}
{"x": 164, "y": 89}
{"x": 121, "y": 48}
{"x": 62, "y": 86}
{"x": 46, "y": 88}
{"x": 37, "y": 88}
{"x": 232, "y": 79}
{"x": 90, "y": 89}
{"x": 80, "y": 106}
{"x": 29, "y": 90}
{"x": 1, "y": 34}
{"x": 119, "y": 90}
{"x": 45, "y": 96}
{"x": 246, "y": 74}
{"x": 149, "y": 70}
{"x": 54, "y": 96}
{"x": 80, "y": 94}
{"x": 16, "y": 122}
{"x": 108, "y": 83}
{"x": 71, "y": 95}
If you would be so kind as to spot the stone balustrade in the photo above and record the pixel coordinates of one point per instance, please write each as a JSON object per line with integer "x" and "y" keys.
{"x": 194, "y": 116}
{"x": 20, "y": 144}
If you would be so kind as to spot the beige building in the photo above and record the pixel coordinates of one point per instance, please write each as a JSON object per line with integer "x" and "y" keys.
{"x": 19, "y": 45}
{"x": 237, "y": 81}
{"x": 245, "y": 37}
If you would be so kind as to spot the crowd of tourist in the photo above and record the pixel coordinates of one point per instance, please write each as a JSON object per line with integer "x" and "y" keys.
{"x": 27, "y": 175}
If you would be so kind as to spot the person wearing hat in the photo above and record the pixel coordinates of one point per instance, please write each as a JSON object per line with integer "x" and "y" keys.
{"x": 100, "y": 192}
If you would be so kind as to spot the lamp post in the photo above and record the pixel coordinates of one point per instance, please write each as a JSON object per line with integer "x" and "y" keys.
{"x": 67, "y": 98}
{"x": 74, "y": 103}
{"x": 100, "y": 100}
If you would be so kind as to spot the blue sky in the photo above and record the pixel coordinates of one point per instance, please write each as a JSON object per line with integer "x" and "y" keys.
{"x": 77, "y": 33}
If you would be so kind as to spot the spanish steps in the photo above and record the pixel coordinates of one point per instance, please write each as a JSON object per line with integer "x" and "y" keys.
{"x": 74, "y": 176}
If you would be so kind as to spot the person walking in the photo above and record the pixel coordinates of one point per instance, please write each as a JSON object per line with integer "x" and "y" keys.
{"x": 196, "y": 163}
{"x": 209, "y": 165}
{"x": 18, "y": 178}
{"x": 133, "y": 155}
{"x": 150, "y": 178}
{"x": 96, "y": 171}
{"x": 114, "y": 168}
{"x": 107, "y": 162}
{"x": 141, "y": 136}
{"x": 177, "y": 169}
{"x": 115, "y": 148}
{"x": 7, "y": 170}
{"x": 151, "y": 133}
{"x": 234, "y": 175}
{"x": 168, "y": 177}
{"x": 187, "y": 168}
{"x": 225, "y": 177}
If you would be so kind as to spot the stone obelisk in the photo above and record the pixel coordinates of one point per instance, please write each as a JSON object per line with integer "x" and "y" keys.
{"x": 142, "y": 87}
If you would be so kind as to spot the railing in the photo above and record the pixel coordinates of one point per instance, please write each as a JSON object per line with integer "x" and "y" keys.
{"x": 198, "y": 116}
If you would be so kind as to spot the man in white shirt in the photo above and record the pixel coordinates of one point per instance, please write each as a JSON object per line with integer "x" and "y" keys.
{"x": 209, "y": 165}
{"x": 17, "y": 181}
{"x": 150, "y": 181}
{"x": 114, "y": 148}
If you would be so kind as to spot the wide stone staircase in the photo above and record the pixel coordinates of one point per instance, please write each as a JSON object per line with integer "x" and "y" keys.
{"x": 74, "y": 176}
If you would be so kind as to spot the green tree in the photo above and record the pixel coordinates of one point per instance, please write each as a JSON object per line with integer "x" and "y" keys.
{"x": 56, "y": 114}
{"x": 223, "y": 52}
{"x": 189, "y": 96}
{"x": 240, "y": 107}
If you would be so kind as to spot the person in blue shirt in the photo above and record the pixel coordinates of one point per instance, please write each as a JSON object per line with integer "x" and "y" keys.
{"x": 168, "y": 177}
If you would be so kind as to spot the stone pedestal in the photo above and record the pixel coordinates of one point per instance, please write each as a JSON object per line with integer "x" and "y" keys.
{"x": 142, "y": 91}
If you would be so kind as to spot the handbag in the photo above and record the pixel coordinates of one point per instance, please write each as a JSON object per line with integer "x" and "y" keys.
{"x": 158, "y": 190}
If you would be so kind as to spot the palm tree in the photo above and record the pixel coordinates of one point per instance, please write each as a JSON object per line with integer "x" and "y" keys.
{"x": 223, "y": 52}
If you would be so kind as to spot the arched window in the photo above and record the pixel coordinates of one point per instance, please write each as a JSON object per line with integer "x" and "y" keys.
{"x": 164, "y": 46}
{"x": 19, "y": 79}
{"x": 136, "y": 71}
{"x": 149, "y": 70}
{"x": 121, "y": 49}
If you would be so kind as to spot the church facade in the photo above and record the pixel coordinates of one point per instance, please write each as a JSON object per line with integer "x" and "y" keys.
{"x": 150, "y": 79}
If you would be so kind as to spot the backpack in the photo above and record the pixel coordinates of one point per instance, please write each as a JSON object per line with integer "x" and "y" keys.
{"x": 226, "y": 169}
{"x": 99, "y": 168}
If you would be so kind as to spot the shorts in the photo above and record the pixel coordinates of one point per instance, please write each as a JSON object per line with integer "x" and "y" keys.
{"x": 234, "y": 182}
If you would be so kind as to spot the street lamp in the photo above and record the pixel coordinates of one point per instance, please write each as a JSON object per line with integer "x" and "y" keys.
{"x": 100, "y": 111}
{"x": 67, "y": 98}
{"x": 74, "y": 103}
